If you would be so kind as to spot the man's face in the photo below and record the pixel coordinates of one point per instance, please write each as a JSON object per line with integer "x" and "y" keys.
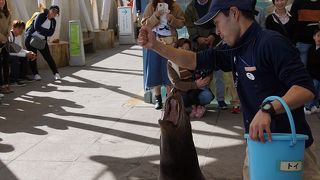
{"x": 227, "y": 27}
{"x": 52, "y": 14}
{"x": 316, "y": 38}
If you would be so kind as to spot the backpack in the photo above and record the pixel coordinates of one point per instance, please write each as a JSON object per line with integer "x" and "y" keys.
{"x": 30, "y": 21}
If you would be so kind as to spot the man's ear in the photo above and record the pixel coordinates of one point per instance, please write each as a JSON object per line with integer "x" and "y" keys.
{"x": 234, "y": 12}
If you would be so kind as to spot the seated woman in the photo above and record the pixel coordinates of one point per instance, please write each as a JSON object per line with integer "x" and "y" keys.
{"x": 194, "y": 86}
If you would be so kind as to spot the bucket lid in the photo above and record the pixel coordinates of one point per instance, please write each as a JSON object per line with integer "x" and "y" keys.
{"x": 282, "y": 137}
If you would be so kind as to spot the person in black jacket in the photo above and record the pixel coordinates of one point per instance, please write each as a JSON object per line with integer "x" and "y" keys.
{"x": 281, "y": 20}
{"x": 306, "y": 13}
{"x": 313, "y": 65}
{"x": 43, "y": 26}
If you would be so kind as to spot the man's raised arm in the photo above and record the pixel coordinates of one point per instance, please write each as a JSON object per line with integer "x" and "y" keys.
{"x": 183, "y": 58}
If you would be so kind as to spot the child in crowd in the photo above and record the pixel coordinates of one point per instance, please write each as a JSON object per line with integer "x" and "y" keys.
{"x": 18, "y": 60}
{"x": 313, "y": 65}
{"x": 194, "y": 86}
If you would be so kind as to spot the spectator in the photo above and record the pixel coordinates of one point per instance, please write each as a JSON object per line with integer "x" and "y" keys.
{"x": 260, "y": 16}
{"x": 42, "y": 27}
{"x": 5, "y": 21}
{"x": 163, "y": 21}
{"x": 18, "y": 59}
{"x": 313, "y": 65}
{"x": 305, "y": 13}
{"x": 194, "y": 92}
{"x": 232, "y": 91}
{"x": 204, "y": 37}
{"x": 281, "y": 20}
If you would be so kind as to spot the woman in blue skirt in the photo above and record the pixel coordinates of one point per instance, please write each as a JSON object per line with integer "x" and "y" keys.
{"x": 163, "y": 17}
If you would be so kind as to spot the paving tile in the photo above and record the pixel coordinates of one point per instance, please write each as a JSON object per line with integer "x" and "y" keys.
{"x": 23, "y": 137}
{"x": 54, "y": 152}
{"x": 73, "y": 136}
{"x": 114, "y": 153}
{"x": 110, "y": 171}
{"x": 33, "y": 170}
{"x": 88, "y": 170}
{"x": 4, "y": 163}
{"x": 227, "y": 162}
{"x": 9, "y": 152}
{"x": 125, "y": 138}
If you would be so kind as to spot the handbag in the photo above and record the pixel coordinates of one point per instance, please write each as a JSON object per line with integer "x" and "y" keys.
{"x": 13, "y": 47}
{"x": 38, "y": 43}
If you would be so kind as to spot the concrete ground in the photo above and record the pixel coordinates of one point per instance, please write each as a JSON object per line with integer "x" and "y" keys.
{"x": 94, "y": 126}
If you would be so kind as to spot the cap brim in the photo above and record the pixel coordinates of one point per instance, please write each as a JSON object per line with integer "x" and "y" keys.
{"x": 206, "y": 18}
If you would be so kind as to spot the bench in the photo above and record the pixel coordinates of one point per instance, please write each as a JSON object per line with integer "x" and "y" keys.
{"x": 88, "y": 42}
{"x": 59, "y": 52}
{"x": 104, "y": 39}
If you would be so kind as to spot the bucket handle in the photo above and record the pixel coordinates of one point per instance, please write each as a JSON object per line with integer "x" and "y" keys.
{"x": 288, "y": 111}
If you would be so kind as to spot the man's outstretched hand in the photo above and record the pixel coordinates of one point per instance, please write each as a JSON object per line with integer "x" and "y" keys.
{"x": 146, "y": 37}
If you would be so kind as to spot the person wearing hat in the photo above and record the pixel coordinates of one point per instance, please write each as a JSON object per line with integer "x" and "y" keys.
{"x": 43, "y": 27}
{"x": 264, "y": 63}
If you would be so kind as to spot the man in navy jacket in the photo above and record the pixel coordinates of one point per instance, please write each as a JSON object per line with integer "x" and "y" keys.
{"x": 264, "y": 64}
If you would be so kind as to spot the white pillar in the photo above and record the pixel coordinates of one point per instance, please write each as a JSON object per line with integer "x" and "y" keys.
{"x": 134, "y": 11}
{"x": 125, "y": 2}
{"x": 57, "y": 31}
{"x": 85, "y": 14}
{"x": 95, "y": 14}
{"x": 21, "y": 10}
{"x": 43, "y": 3}
{"x": 74, "y": 9}
{"x": 105, "y": 13}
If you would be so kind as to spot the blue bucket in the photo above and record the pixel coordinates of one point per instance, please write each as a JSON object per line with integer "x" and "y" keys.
{"x": 281, "y": 159}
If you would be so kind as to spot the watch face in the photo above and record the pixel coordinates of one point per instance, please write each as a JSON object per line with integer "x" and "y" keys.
{"x": 267, "y": 106}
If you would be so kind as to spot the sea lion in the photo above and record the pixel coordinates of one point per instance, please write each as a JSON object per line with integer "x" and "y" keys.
{"x": 178, "y": 155}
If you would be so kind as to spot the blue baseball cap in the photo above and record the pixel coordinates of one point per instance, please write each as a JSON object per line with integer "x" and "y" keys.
{"x": 218, "y": 5}
{"x": 55, "y": 8}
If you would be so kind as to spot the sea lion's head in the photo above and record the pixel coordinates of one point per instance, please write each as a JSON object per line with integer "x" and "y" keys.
{"x": 175, "y": 119}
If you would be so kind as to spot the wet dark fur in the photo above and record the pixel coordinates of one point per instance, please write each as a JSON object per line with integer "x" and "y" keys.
{"x": 178, "y": 156}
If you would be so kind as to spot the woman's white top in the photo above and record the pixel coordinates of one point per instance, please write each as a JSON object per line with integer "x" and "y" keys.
{"x": 45, "y": 25}
{"x": 284, "y": 19}
{"x": 17, "y": 40}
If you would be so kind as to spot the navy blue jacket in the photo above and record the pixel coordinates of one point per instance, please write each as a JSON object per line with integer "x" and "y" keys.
{"x": 36, "y": 25}
{"x": 264, "y": 63}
